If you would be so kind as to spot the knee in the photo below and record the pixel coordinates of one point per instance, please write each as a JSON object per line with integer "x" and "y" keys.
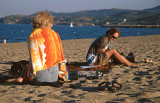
{"x": 113, "y": 50}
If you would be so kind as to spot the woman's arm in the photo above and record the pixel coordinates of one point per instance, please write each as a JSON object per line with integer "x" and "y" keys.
{"x": 101, "y": 44}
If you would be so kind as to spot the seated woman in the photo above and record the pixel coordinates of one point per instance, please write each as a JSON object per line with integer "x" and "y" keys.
{"x": 47, "y": 61}
{"x": 99, "y": 52}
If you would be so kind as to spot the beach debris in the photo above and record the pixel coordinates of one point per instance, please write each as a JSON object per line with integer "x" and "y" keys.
{"x": 110, "y": 87}
{"x": 147, "y": 60}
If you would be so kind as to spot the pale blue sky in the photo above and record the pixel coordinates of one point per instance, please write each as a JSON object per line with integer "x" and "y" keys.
{"x": 27, "y": 7}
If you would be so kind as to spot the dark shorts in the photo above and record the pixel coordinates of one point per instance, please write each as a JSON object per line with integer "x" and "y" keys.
{"x": 47, "y": 75}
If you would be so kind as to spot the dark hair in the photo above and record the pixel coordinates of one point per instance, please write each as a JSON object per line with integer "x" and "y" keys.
{"x": 112, "y": 31}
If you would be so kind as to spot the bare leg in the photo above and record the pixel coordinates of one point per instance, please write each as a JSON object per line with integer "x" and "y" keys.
{"x": 121, "y": 58}
{"x": 19, "y": 79}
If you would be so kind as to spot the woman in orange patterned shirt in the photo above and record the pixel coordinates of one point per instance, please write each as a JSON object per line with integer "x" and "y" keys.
{"x": 47, "y": 61}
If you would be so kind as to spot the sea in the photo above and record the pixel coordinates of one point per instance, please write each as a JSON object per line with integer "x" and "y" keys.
{"x": 21, "y": 32}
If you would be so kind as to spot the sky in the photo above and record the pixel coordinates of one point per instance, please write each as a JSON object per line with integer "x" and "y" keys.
{"x": 28, "y": 7}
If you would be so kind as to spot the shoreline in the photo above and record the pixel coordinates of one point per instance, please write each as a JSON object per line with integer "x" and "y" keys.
{"x": 140, "y": 84}
{"x": 133, "y": 26}
{"x": 90, "y": 38}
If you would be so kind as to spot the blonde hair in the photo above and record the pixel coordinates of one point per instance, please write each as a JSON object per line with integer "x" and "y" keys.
{"x": 42, "y": 20}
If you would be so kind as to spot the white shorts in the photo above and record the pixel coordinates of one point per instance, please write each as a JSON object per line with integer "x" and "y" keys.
{"x": 91, "y": 59}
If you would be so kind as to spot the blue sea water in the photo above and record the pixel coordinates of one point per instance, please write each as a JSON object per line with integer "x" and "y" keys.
{"x": 21, "y": 32}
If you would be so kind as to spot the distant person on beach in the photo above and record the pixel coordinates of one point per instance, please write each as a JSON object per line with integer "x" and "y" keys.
{"x": 47, "y": 62}
{"x": 4, "y": 40}
{"x": 99, "y": 52}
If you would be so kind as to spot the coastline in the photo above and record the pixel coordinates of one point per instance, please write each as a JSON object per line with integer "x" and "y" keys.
{"x": 139, "y": 84}
{"x": 132, "y": 26}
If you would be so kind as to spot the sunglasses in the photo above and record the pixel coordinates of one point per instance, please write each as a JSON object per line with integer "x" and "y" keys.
{"x": 114, "y": 37}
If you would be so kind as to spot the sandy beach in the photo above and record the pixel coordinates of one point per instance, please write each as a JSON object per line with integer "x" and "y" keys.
{"x": 139, "y": 84}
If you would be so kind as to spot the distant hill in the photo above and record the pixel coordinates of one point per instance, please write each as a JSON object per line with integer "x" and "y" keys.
{"x": 136, "y": 17}
{"x": 16, "y": 19}
{"x": 154, "y": 10}
{"x": 102, "y": 12}
{"x": 149, "y": 16}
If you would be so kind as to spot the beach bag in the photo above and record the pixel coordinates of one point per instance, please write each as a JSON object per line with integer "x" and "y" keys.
{"x": 130, "y": 58}
{"x": 18, "y": 67}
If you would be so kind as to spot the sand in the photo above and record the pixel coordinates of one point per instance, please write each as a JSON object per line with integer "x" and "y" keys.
{"x": 140, "y": 84}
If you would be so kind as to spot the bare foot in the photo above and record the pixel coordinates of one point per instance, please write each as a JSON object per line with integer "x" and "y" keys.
{"x": 20, "y": 79}
{"x": 133, "y": 65}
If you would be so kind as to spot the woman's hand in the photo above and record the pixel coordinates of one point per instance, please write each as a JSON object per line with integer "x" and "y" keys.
{"x": 103, "y": 50}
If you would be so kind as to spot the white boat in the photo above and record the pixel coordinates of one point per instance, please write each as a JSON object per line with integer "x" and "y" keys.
{"x": 71, "y": 24}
